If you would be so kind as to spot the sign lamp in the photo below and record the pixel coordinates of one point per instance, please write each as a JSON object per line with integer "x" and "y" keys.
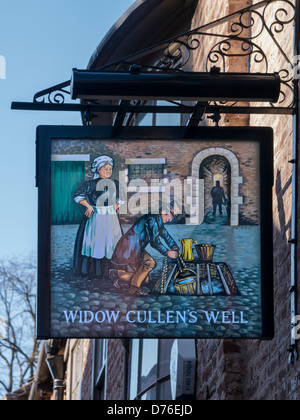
{"x": 189, "y": 86}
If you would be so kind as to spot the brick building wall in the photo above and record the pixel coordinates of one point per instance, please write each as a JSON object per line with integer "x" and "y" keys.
{"x": 116, "y": 370}
{"x": 268, "y": 372}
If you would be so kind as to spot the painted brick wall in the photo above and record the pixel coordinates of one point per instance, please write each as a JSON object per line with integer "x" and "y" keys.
{"x": 178, "y": 163}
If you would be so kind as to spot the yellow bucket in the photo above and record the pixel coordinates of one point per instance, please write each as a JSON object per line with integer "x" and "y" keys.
{"x": 205, "y": 252}
{"x": 186, "y": 286}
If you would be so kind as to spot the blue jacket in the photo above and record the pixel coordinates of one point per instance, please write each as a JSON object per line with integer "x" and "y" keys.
{"x": 149, "y": 229}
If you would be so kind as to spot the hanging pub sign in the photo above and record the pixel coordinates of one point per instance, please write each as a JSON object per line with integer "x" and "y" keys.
{"x": 155, "y": 232}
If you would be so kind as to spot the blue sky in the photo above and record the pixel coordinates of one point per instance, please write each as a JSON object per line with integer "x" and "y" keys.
{"x": 42, "y": 41}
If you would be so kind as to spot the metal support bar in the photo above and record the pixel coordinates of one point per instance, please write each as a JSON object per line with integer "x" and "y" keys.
{"x": 197, "y": 114}
{"x": 120, "y": 117}
{"x": 177, "y": 51}
{"x": 151, "y": 109}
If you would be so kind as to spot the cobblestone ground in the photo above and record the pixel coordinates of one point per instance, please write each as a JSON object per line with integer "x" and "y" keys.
{"x": 101, "y": 311}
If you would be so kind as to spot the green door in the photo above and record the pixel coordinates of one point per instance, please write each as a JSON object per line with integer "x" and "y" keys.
{"x": 66, "y": 177}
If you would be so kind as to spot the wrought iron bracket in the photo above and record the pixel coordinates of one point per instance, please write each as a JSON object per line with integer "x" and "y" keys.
{"x": 216, "y": 117}
{"x": 238, "y": 35}
{"x": 54, "y": 95}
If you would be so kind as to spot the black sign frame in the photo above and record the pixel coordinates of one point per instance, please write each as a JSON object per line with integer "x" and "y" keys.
{"x": 45, "y": 135}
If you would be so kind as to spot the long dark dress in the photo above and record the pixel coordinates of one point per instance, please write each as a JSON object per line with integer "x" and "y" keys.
{"x": 87, "y": 265}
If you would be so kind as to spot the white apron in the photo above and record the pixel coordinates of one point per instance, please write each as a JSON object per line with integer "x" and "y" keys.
{"x": 102, "y": 233}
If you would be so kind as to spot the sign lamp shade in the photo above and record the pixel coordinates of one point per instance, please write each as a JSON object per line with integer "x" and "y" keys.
{"x": 189, "y": 86}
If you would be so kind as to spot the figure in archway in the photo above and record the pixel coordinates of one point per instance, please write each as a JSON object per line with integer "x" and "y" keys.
{"x": 217, "y": 174}
{"x": 218, "y": 196}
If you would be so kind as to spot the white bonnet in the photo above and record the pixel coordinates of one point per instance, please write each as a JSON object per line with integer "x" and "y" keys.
{"x": 99, "y": 162}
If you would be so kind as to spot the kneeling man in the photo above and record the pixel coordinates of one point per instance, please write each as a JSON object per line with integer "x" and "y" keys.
{"x": 130, "y": 261}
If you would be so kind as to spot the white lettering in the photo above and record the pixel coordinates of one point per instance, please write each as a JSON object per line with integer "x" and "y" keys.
{"x": 194, "y": 200}
{"x": 2, "y": 67}
{"x": 71, "y": 316}
{"x": 296, "y": 67}
{"x": 109, "y": 195}
{"x": 225, "y": 317}
{"x": 138, "y": 203}
{"x": 296, "y": 328}
{"x": 2, "y": 327}
{"x": 112, "y": 316}
{"x": 127, "y": 411}
{"x": 193, "y": 317}
{"x": 86, "y": 314}
{"x": 155, "y": 409}
{"x": 188, "y": 409}
{"x": 211, "y": 316}
{"x": 233, "y": 319}
{"x": 98, "y": 315}
{"x": 164, "y": 191}
{"x": 128, "y": 317}
{"x": 242, "y": 319}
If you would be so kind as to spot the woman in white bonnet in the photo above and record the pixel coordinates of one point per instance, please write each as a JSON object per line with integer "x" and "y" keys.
{"x": 100, "y": 229}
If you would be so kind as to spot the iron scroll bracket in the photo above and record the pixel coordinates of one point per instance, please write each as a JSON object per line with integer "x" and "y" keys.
{"x": 238, "y": 35}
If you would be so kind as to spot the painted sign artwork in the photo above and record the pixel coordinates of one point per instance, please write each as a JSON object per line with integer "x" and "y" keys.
{"x": 155, "y": 239}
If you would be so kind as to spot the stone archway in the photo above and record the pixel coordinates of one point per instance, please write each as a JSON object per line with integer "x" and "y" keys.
{"x": 216, "y": 168}
{"x": 236, "y": 201}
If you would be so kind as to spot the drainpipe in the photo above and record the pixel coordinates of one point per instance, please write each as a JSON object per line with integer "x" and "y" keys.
{"x": 56, "y": 368}
{"x": 41, "y": 376}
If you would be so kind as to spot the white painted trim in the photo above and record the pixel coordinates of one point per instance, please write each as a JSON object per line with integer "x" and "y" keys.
{"x": 146, "y": 190}
{"x": 70, "y": 158}
{"x": 145, "y": 161}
